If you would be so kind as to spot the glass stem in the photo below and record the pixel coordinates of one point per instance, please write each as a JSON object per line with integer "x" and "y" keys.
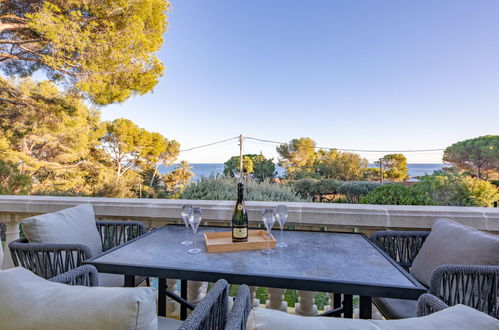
{"x": 282, "y": 235}
{"x": 195, "y": 241}
{"x": 186, "y": 234}
{"x": 268, "y": 240}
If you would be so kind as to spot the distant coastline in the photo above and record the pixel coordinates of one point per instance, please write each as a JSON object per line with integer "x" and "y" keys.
{"x": 207, "y": 169}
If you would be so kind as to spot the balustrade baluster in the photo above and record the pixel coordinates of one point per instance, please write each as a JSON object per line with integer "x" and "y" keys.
{"x": 196, "y": 291}
{"x": 276, "y": 299}
{"x": 305, "y": 305}
{"x": 255, "y": 302}
{"x": 11, "y": 234}
{"x": 171, "y": 305}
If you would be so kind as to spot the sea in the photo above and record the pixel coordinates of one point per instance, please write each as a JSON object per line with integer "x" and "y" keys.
{"x": 208, "y": 169}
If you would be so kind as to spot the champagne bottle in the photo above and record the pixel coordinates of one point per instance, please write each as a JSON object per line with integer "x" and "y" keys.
{"x": 240, "y": 218}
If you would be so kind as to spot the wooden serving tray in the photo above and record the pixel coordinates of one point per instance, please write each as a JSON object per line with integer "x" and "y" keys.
{"x": 222, "y": 241}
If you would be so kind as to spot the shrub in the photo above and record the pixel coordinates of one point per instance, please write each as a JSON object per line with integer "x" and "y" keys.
{"x": 305, "y": 188}
{"x": 223, "y": 188}
{"x": 457, "y": 190}
{"x": 327, "y": 187}
{"x": 396, "y": 194}
{"x": 354, "y": 190}
{"x": 480, "y": 192}
{"x": 304, "y": 174}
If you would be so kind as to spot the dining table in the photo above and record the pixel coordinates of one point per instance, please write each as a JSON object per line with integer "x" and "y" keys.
{"x": 345, "y": 264}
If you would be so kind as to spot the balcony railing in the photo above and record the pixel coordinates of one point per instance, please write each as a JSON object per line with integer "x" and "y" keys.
{"x": 309, "y": 216}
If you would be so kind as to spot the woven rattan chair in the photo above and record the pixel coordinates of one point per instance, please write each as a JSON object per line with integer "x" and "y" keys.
{"x": 240, "y": 310}
{"x": 49, "y": 260}
{"x": 475, "y": 286}
{"x": 211, "y": 312}
{"x": 85, "y": 275}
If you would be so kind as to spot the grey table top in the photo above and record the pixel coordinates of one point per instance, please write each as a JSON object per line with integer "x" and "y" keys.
{"x": 319, "y": 261}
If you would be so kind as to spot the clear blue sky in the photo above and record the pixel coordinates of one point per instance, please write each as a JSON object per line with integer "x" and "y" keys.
{"x": 365, "y": 74}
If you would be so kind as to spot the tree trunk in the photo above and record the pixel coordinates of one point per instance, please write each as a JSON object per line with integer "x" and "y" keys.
{"x": 152, "y": 180}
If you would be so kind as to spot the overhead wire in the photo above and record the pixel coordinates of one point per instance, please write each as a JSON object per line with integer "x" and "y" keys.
{"x": 352, "y": 150}
{"x": 317, "y": 147}
{"x": 209, "y": 144}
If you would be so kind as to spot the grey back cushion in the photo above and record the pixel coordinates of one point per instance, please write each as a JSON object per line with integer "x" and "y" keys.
{"x": 451, "y": 243}
{"x": 31, "y": 302}
{"x": 75, "y": 225}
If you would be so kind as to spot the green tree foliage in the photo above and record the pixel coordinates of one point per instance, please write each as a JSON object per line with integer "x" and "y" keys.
{"x": 11, "y": 181}
{"x": 480, "y": 155}
{"x": 104, "y": 49}
{"x": 397, "y": 194}
{"x": 65, "y": 149}
{"x": 259, "y": 167}
{"x": 263, "y": 168}
{"x": 176, "y": 181}
{"x": 297, "y": 156}
{"x": 224, "y": 188}
{"x": 132, "y": 147}
{"x": 393, "y": 167}
{"x": 231, "y": 167}
{"x": 338, "y": 165}
{"x": 54, "y": 141}
{"x": 300, "y": 160}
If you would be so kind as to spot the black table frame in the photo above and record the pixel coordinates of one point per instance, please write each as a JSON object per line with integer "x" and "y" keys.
{"x": 340, "y": 288}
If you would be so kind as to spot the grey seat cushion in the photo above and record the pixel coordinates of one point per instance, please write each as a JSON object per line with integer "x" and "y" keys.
{"x": 166, "y": 323}
{"x": 396, "y": 308}
{"x": 31, "y": 302}
{"x": 75, "y": 225}
{"x": 457, "y": 317}
{"x": 116, "y": 280}
{"x": 452, "y": 243}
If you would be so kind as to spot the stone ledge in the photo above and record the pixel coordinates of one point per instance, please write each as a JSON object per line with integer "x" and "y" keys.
{"x": 306, "y": 214}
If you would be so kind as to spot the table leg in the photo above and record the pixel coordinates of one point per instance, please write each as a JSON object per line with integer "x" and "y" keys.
{"x": 183, "y": 294}
{"x": 347, "y": 306}
{"x": 129, "y": 281}
{"x": 161, "y": 297}
{"x": 336, "y": 300}
{"x": 365, "y": 308}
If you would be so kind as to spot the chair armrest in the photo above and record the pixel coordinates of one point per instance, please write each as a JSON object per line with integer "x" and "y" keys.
{"x": 84, "y": 275}
{"x": 240, "y": 310}
{"x": 472, "y": 285}
{"x": 114, "y": 233}
{"x": 211, "y": 312}
{"x": 428, "y": 303}
{"x": 401, "y": 246}
{"x": 48, "y": 260}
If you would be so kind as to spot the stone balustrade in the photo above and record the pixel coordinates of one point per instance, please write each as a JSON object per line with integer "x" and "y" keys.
{"x": 309, "y": 216}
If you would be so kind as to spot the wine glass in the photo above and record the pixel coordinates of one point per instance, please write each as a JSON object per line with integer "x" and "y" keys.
{"x": 186, "y": 212}
{"x": 194, "y": 220}
{"x": 268, "y": 220}
{"x": 282, "y": 216}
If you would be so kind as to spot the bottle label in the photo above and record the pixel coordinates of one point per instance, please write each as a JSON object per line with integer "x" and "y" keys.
{"x": 240, "y": 232}
{"x": 239, "y": 207}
